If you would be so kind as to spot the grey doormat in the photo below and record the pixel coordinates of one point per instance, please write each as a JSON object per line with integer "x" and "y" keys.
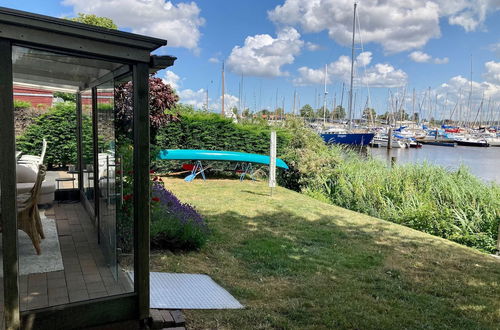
{"x": 29, "y": 262}
{"x": 188, "y": 291}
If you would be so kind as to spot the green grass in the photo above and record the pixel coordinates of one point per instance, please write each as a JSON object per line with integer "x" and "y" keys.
{"x": 298, "y": 263}
{"x": 451, "y": 204}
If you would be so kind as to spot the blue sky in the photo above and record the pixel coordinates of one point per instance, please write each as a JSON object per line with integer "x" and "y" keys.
{"x": 282, "y": 47}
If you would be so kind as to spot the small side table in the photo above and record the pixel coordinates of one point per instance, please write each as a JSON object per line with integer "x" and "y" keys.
{"x": 59, "y": 180}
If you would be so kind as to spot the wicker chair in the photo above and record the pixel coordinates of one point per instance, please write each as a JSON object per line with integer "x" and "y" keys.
{"x": 28, "y": 216}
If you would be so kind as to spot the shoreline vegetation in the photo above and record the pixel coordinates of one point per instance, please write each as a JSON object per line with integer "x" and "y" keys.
{"x": 454, "y": 205}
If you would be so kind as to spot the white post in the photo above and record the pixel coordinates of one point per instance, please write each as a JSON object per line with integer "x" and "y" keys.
{"x": 272, "y": 162}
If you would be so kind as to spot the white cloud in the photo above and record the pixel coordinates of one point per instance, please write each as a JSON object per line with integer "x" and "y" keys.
{"x": 421, "y": 57}
{"x": 378, "y": 75}
{"x": 396, "y": 25}
{"x": 213, "y": 60}
{"x": 178, "y": 23}
{"x": 262, "y": 55}
{"x": 495, "y": 48}
{"x": 195, "y": 98}
{"x": 492, "y": 73}
{"x": 198, "y": 99}
{"x": 443, "y": 60}
{"x": 172, "y": 79}
{"x": 457, "y": 90}
{"x": 312, "y": 46}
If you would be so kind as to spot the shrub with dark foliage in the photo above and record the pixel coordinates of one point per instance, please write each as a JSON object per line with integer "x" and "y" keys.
{"x": 161, "y": 98}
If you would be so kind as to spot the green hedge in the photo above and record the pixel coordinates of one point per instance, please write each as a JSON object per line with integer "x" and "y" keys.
{"x": 213, "y": 132}
{"x": 58, "y": 127}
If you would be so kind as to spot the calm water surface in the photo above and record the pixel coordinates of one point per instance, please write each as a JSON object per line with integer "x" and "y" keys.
{"x": 483, "y": 162}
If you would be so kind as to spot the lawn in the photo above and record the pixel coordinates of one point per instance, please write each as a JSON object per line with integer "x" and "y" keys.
{"x": 298, "y": 263}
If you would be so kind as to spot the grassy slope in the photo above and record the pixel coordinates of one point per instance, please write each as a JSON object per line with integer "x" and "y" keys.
{"x": 298, "y": 263}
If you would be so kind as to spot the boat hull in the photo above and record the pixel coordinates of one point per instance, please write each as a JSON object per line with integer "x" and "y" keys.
{"x": 218, "y": 155}
{"x": 472, "y": 143}
{"x": 357, "y": 139}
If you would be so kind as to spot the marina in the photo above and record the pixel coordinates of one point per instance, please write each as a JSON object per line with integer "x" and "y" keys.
{"x": 482, "y": 162}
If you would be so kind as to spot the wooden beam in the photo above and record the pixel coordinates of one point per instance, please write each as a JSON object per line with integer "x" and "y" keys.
{"x": 82, "y": 314}
{"x": 141, "y": 187}
{"x": 79, "y": 146}
{"x": 95, "y": 153}
{"x": 8, "y": 187}
{"x": 28, "y": 36}
{"x": 67, "y": 27}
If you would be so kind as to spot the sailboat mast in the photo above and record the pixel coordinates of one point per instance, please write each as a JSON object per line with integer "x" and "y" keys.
{"x": 352, "y": 64}
{"x": 324, "y": 98}
{"x": 222, "y": 99}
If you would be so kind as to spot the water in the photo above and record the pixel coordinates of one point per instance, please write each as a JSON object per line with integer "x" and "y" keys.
{"x": 482, "y": 162}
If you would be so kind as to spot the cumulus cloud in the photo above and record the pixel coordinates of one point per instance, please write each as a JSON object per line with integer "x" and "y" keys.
{"x": 262, "y": 55}
{"x": 378, "y": 75}
{"x": 492, "y": 73}
{"x": 198, "y": 99}
{"x": 443, "y": 60}
{"x": 195, "y": 98}
{"x": 311, "y": 46}
{"x": 172, "y": 79}
{"x": 178, "y": 23}
{"x": 421, "y": 57}
{"x": 396, "y": 25}
{"x": 456, "y": 91}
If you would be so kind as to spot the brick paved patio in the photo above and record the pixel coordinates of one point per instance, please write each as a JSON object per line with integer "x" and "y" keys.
{"x": 85, "y": 275}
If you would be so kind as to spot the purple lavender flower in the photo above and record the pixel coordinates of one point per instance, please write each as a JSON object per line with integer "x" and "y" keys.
{"x": 184, "y": 212}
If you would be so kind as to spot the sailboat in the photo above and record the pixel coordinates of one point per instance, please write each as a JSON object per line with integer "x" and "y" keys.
{"x": 347, "y": 136}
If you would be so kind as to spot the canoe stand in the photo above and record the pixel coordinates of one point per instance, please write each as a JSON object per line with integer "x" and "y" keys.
{"x": 197, "y": 169}
{"x": 243, "y": 169}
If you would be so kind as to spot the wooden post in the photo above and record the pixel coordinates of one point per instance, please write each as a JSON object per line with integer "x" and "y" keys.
{"x": 79, "y": 146}
{"x": 141, "y": 187}
{"x": 498, "y": 241}
{"x": 389, "y": 138}
{"x": 393, "y": 161}
{"x": 8, "y": 188}
{"x": 272, "y": 162}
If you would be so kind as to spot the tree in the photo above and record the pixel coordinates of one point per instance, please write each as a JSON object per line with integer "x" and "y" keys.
{"x": 369, "y": 114}
{"x": 279, "y": 112}
{"x": 71, "y": 97}
{"x": 307, "y": 111}
{"x": 246, "y": 112}
{"x": 338, "y": 112}
{"x": 91, "y": 19}
{"x": 319, "y": 113}
{"x": 161, "y": 98}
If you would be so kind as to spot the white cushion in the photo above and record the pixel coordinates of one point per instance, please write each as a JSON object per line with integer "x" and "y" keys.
{"x": 47, "y": 187}
{"x": 26, "y": 173}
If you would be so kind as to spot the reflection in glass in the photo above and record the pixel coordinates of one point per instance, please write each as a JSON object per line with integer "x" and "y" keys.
{"x": 87, "y": 150}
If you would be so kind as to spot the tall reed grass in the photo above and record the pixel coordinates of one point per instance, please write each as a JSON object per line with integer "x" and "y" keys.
{"x": 452, "y": 204}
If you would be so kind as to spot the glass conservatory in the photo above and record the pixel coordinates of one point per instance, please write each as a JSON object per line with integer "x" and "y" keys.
{"x": 86, "y": 262}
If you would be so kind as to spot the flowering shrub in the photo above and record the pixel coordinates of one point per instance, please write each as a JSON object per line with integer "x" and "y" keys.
{"x": 175, "y": 225}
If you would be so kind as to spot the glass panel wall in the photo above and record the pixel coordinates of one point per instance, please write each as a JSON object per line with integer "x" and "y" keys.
{"x": 88, "y": 151}
{"x": 123, "y": 93}
{"x": 77, "y": 258}
{"x": 107, "y": 173}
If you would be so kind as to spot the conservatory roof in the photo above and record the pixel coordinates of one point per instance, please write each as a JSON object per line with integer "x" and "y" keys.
{"x": 72, "y": 56}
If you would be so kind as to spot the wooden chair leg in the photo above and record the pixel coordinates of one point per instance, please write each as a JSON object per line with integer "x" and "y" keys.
{"x": 38, "y": 222}
{"x": 26, "y": 222}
